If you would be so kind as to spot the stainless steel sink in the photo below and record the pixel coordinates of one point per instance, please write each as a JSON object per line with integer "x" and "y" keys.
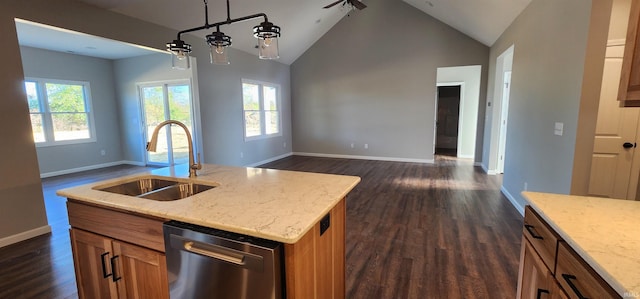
{"x": 163, "y": 189}
{"x": 177, "y": 191}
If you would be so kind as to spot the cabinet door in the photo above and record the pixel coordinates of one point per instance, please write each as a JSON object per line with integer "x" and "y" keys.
{"x": 91, "y": 255}
{"x": 535, "y": 278}
{"x": 140, "y": 272}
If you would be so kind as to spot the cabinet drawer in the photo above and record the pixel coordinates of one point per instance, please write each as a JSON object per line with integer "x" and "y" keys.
{"x": 543, "y": 239}
{"x": 577, "y": 278}
{"x": 123, "y": 226}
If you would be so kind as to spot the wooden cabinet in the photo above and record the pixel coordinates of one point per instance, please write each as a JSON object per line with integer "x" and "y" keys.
{"x": 549, "y": 268}
{"x": 106, "y": 268}
{"x": 539, "y": 280}
{"x": 109, "y": 267}
{"x": 315, "y": 265}
{"x": 630, "y": 76}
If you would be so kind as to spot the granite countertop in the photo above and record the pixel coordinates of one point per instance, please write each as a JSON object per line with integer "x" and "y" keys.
{"x": 604, "y": 232}
{"x": 266, "y": 203}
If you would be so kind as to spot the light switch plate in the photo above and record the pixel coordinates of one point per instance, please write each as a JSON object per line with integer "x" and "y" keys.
{"x": 558, "y": 129}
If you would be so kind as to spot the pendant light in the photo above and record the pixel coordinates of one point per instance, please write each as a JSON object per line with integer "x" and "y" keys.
{"x": 266, "y": 32}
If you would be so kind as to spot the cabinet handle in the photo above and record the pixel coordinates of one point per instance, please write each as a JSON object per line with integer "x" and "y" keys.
{"x": 539, "y": 294}
{"x": 530, "y": 230}
{"x": 113, "y": 268}
{"x": 104, "y": 266}
{"x": 568, "y": 278}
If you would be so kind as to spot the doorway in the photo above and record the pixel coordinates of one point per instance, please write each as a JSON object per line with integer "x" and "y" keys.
{"x": 500, "y": 113}
{"x": 164, "y": 101}
{"x": 447, "y": 119}
{"x": 467, "y": 79}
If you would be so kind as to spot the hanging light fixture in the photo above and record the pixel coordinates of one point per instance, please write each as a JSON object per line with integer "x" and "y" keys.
{"x": 219, "y": 42}
{"x": 267, "y": 35}
{"x": 266, "y": 32}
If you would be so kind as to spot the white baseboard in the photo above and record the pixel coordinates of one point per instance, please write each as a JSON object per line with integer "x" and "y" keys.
{"x": 90, "y": 167}
{"x": 6, "y": 241}
{"x": 269, "y": 160}
{"x": 513, "y": 201}
{"x": 364, "y": 157}
{"x": 466, "y": 156}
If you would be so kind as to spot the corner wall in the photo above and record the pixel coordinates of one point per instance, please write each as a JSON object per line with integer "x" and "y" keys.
{"x": 550, "y": 39}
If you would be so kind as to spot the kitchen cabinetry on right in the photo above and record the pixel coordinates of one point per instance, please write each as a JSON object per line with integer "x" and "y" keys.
{"x": 549, "y": 268}
{"x": 629, "y": 90}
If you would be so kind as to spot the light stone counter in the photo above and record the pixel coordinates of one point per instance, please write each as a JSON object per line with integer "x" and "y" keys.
{"x": 271, "y": 204}
{"x": 604, "y": 232}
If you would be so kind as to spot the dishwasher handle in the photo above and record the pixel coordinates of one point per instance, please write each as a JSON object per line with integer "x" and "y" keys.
{"x": 213, "y": 252}
{"x": 218, "y": 252}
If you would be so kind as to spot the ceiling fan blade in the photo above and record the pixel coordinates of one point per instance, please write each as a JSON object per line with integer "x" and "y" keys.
{"x": 333, "y": 4}
{"x": 357, "y": 4}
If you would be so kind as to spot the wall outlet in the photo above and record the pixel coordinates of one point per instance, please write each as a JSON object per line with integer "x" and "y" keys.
{"x": 284, "y": 144}
{"x": 353, "y": 145}
{"x": 366, "y": 146}
{"x": 103, "y": 152}
{"x": 241, "y": 155}
{"x": 526, "y": 186}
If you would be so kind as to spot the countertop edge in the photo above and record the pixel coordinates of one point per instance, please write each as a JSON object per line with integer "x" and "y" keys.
{"x": 331, "y": 203}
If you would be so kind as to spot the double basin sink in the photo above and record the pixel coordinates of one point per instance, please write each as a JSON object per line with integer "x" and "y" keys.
{"x": 157, "y": 188}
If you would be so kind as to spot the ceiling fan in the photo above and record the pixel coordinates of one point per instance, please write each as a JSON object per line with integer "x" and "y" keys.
{"x": 355, "y": 3}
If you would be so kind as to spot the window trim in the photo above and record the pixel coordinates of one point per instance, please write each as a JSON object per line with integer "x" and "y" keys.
{"x": 263, "y": 124}
{"x": 47, "y": 122}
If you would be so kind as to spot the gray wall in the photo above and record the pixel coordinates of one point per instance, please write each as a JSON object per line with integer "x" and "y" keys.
{"x": 550, "y": 39}
{"x": 99, "y": 73}
{"x": 129, "y": 73}
{"x": 372, "y": 80}
{"x": 221, "y": 107}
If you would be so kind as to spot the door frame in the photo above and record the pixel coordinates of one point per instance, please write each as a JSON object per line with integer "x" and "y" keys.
{"x": 460, "y": 114}
{"x": 195, "y": 123}
{"x": 504, "y": 119}
{"x": 504, "y": 62}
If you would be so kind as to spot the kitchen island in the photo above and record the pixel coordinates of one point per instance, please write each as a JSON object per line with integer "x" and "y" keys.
{"x": 282, "y": 206}
{"x": 603, "y": 235}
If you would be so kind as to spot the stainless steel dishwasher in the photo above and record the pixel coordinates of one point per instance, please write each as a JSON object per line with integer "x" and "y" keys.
{"x": 209, "y": 263}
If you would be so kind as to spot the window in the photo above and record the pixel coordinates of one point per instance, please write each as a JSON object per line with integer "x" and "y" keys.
{"x": 60, "y": 111}
{"x": 261, "y": 105}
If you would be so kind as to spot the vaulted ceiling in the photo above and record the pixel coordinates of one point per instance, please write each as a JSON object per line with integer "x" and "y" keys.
{"x": 303, "y": 22}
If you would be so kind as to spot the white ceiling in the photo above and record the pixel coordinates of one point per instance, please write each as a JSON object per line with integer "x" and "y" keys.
{"x": 56, "y": 39}
{"x": 482, "y": 20}
{"x": 303, "y": 22}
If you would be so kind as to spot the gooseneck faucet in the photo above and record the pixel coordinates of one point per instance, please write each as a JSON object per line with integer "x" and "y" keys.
{"x": 152, "y": 144}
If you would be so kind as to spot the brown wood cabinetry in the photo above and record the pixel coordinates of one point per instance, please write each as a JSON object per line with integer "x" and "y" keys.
{"x": 549, "y": 268}
{"x": 630, "y": 76}
{"x": 121, "y": 255}
{"x": 106, "y": 264}
{"x": 106, "y": 268}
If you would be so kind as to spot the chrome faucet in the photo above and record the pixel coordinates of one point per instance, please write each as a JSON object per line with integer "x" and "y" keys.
{"x": 151, "y": 145}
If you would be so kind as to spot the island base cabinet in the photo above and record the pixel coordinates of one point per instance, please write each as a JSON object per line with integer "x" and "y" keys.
{"x": 536, "y": 281}
{"x": 107, "y": 268}
{"x": 315, "y": 265}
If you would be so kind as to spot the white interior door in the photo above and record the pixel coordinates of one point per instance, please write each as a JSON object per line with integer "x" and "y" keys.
{"x": 611, "y": 162}
{"x": 164, "y": 101}
{"x": 504, "y": 113}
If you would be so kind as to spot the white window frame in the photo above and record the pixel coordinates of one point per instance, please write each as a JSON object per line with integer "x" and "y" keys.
{"x": 263, "y": 124}
{"x": 47, "y": 122}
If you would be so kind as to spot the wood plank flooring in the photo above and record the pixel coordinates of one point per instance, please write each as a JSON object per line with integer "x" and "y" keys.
{"x": 424, "y": 231}
{"x": 439, "y": 230}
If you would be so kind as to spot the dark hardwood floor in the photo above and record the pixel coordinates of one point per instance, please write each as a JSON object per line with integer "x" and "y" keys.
{"x": 414, "y": 230}
{"x": 425, "y": 231}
